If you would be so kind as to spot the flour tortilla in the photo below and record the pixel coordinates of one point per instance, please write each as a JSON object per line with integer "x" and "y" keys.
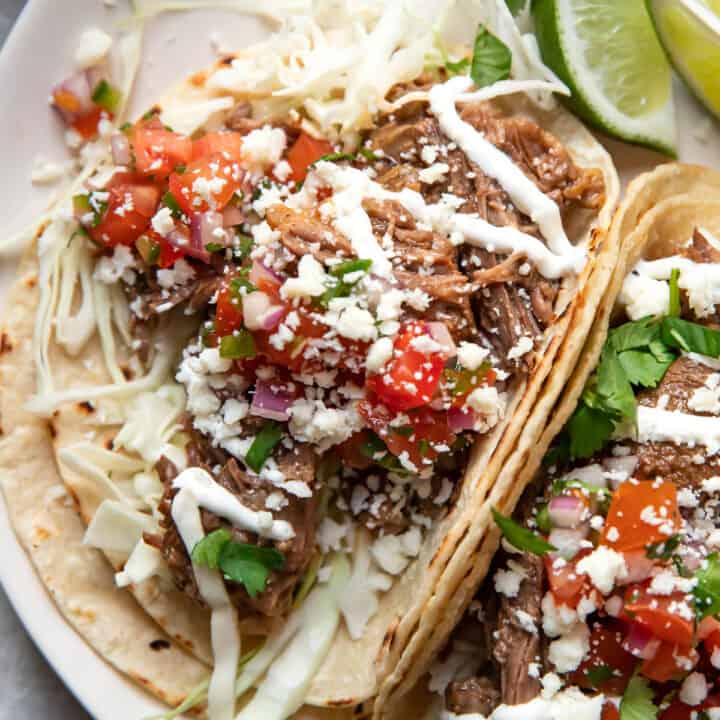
{"x": 659, "y": 212}
{"x": 352, "y": 670}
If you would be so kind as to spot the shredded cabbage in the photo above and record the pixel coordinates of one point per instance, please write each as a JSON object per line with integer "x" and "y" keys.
{"x": 117, "y": 528}
{"x": 188, "y": 117}
{"x": 144, "y": 562}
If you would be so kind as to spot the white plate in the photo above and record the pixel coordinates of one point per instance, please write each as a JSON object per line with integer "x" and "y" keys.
{"x": 39, "y": 53}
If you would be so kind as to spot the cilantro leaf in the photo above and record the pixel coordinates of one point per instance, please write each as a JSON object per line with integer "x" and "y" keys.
{"x": 663, "y": 550}
{"x": 690, "y": 336}
{"x": 589, "y": 430}
{"x": 520, "y": 537}
{"x": 207, "y": 551}
{"x": 674, "y": 308}
{"x": 170, "y": 201}
{"x": 613, "y": 385}
{"x": 643, "y": 368}
{"x": 456, "y": 68}
{"x": 707, "y": 590}
{"x": 491, "y": 59}
{"x": 634, "y": 335}
{"x": 249, "y": 565}
{"x": 516, "y": 6}
{"x": 598, "y": 675}
{"x": 637, "y": 702}
{"x": 263, "y": 445}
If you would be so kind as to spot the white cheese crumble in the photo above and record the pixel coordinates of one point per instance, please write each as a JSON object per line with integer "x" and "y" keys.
{"x": 393, "y": 553}
{"x": 471, "y": 356}
{"x": 94, "y": 45}
{"x": 179, "y": 274}
{"x": 694, "y": 689}
{"x": 357, "y": 324}
{"x": 433, "y": 174}
{"x": 522, "y": 347}
{"x": 310, "y": 282}
{"x": 379, "y": 354}
{"x": 567, "y": 652}
{"x": 120, "y": 265}
{"x": 162, "y": 222}
{"x": 264, "y": 147}
{"x": 604, "y": 566}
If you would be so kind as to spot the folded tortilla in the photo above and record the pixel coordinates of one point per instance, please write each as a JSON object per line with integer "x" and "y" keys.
{"x": 660, "y": 211}
{"x": 156, "y": 634}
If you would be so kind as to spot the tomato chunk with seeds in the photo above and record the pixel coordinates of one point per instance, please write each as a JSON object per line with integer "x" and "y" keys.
{"x": 129, "y": 209}
{"x": 412, "y": 376}
{"x": 158, "y": 151}
{"x": 228, "y": 313}
{"x": 608, "y": 666}
{"x": 640, "y": 514}
{"x": 669, "y": 617}
{"x": 227, "y": 143}
{"x": 567, "y": 585}
{"x": 206, "y": 183}
{"x": 669, "y": 663}
{"x": 305, "y": 151}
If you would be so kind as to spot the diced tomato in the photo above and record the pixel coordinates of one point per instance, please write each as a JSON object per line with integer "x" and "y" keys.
{"x": 412, "y": 377}
{"x": 305, "y": 151}
{"x": 158, "y": 151}
{"x": 265, "y": 280}
{"x": 677, "y": 711}
{"x": 169, "y": 254}
{"x": 87, "y": 125}
{"x": 671, "y": 662}
{"x": 712, "y": 643}
{"x": 419, "y": 437}
{"x": 606, "y": 651}
{"x": 220, "y": 179}
{"x": 708, "y": 626}
{"x": 291, "y": 356}
{"x": 351, "y": 454}
{"x": 610, "y": 711}
{"x": 630, "y": 505}
{"x": 660, "y": 614}
{"x": 228, "y": 314}
{"x": 227, "y": 142}
{"x": 566, "y": 584}
{"x": 129, "y": 209}
{"x": 156, "y": 250}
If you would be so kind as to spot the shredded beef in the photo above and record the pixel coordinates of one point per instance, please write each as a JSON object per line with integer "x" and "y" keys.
{"x": 472, "y": 695}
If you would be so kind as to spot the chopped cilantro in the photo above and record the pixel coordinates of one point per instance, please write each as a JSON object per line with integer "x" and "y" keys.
{"x": 238, "y": 345}
{"x": 106, "y": 96}
{"x": 542, "y": 519}
{"x": 423, "y": 447}
{"x": 459, "y": 67}
{"x": 690, "y": 336}
{"x": 214, "y": 247}
{"x": 520, "y": 537}
{"x": 491, "y": 58}
{"x": 242, "y": 563}
{"x": 207, "y": 329}
{"x": 663, "y": 550}
{"x": 243, "y": 246}
{"x": 637, "y": 702}
{"x": 403, "y": 430}
{"x": 169, "y": 200}
{"x": 263, "y": 445}
{"x": 707, "y": 590}
{"x": 368, "y": 154}
{"x": 334, "y": 157}
{"x": 598, "y": 675}
{"x": 376, "y": 450}
{"x": 149, "y": 249}
{"x": 125, "y": 127}
{"x": 180, "y": 169}
{"x": 340, "y": 288}
{"x": 516, "y": 6}
{"x": 351, "y": 266}
{"x": 675, "y": 308}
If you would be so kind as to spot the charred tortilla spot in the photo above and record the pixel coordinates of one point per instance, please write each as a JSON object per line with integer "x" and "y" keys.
{"x": 5, "y": 344}
{"x": 199, "y": 79}
{"x": 226, "y": 60}
{"x": 109, "y": 443}
{"x": 127, "y": 373}
{"x": 159, "y": 644}
{"x": 86, "y": 407}
{"x": 31, "y": 281}
{"x": 343, "y": 702}
{"x": 52, "y": 429}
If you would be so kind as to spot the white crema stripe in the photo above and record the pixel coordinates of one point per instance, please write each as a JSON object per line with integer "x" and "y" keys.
{"x": 656, "y": 425}
{"x": 526, "y": 196}
{"x": 215, "y": 498}
{"x": 224, "y": 633}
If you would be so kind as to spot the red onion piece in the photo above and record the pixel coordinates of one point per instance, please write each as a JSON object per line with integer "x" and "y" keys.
{"x": 568, "y": 541}
{"x": 440, "y": 334}
{"x": 262, "y": 276}
{"x": 120, "y": 146}
{"x": 639, "y": 567}
{"x": 255, "y": 305}
{"x": 201, "y": 229}
{"x": 623, "y": 464}
{"x": 566, "y": 511}
{"x": 459, "y": 419}
{"x": 232, "y": 215}
{"x": 269, "y": 403}
{"x": 640, "y": 642}
{"x": 72, "y": 98}
{"x": 273, "y": 317}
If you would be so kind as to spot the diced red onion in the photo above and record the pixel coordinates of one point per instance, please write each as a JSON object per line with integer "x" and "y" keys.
{"x": 440, "y": 334}
{"x": 255, "y": 305}
{"x": 261, "y": 276}
{"x": 614, "y": 606}
{"x": 624, "y": 464}
{"x": 201, "y": 234}
{"x": 120, "y": 146}
{"x": 273, "y": 317}
{"x": 459, "y": 419}
{"x": 273, "y": 405}
{"x": 640, "y": 642}
{"x": 639, "y": 567}
{"x": 568, "y": 541}
{"x": 232, "y": 215}
{"x": 566, "y": 511}
{"x": 78, "y": 86}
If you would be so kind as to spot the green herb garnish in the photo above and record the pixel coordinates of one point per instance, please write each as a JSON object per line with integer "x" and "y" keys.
{"x": 599, "y": 675}
{"x": 242, "y": 247}
{"x": 169, "y": 201}
{"x": 368, "y": 154}
{"x": 520, "y": 537}
{"x": 516, "y": 6}
{"x": 149, "y": 249}
{"x": 341, "y": 288}
{"x": 542, "y": 519}
{"x": 637, "y": 702}
{"x": 238, "y": 345}
{"x": 674, "y": 310}
{"x": 263, "y": 445}
{"x": 334, "y": 157}
{"x": 248, "y": 565}
{"x": 459, "y": 67}
{"x": 214, "y": 247}
{"x": 106, "y": 96}
{"x": 707, "y": 590}
{"x": 491, "y": 59}
{"x": 690, "y": 337}
{"x": 663, "y": 550}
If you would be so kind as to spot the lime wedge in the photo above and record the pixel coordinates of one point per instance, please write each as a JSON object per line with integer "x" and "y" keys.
{"x": 608, "y": 54}
{"x": 690, "y": 32}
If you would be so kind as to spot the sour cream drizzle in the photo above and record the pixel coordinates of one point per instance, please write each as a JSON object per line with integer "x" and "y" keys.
{"x": 351, "y": 186}
{"x": 493, "y": 162}
{"x": 224, "y": 632}
{"x": 656, "y": 425}
{"x": 215, "y": 498}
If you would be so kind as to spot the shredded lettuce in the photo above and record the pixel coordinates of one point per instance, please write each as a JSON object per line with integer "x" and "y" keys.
{"x": 117, "y": 528}
{"x": 144, "y": 562}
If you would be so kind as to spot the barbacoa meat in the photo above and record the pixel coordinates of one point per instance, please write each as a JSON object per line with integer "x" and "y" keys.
{"x": 298, "y": 464}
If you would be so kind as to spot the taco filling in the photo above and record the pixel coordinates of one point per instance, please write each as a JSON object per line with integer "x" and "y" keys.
{"x": 605, "y": 598}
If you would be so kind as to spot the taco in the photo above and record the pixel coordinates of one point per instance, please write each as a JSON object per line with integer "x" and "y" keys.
{"x": 604, "y": 600}
{"x": 284, "y": 341}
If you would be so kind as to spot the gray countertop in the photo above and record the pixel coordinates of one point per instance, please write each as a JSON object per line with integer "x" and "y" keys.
{"x": 29, "y": 688}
